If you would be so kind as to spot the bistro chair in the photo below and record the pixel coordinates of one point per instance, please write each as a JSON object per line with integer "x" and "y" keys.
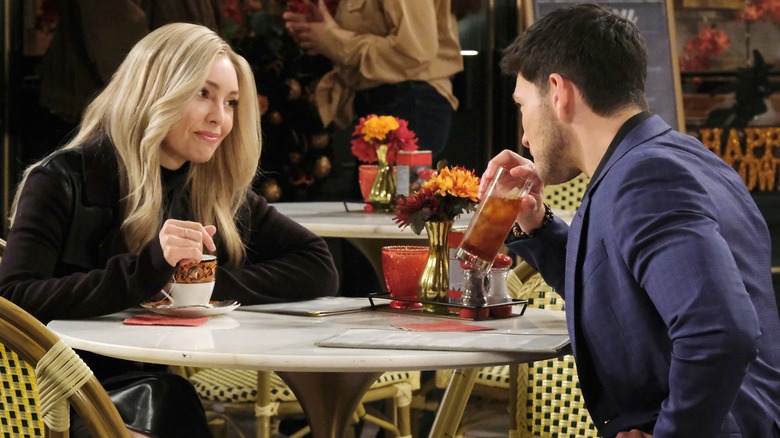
{"x": 264, "y": 394}
{"x": 41, "y": 377}
{"x": 552, "y": 403}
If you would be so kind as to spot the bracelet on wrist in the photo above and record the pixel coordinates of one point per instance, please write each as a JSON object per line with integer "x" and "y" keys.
{"x": 520, "y": 234}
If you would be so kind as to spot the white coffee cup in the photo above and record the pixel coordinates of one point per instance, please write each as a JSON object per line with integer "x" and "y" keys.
{"x": 193, "y": 283}
{"x": 183, "y": 294}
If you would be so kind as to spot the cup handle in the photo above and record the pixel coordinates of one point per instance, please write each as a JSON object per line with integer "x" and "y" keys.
{"x": 165, "y": 291}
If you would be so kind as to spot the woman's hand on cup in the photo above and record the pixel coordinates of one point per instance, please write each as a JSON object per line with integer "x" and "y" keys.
{"x": 532, "y": 207}
{"x": 183, "y": 241}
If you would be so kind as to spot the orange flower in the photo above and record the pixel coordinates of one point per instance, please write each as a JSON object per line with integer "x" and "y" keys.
{"x": 456, "y": 181}
{"x": 377, "y": 128}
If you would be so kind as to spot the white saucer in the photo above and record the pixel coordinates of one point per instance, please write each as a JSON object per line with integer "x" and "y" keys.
{"x": 214, "y": 308}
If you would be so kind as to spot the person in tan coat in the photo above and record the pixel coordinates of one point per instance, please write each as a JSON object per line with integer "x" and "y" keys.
{"x": 390, "y": 57}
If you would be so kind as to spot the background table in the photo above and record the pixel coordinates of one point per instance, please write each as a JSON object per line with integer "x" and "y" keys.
{"x": 328, "y": 382}
{"x": 350, "y": 221}
{"x": 366, "y": 231}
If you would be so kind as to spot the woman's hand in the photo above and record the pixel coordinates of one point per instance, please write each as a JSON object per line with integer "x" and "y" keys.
{"x": 183, "y": 241}
{"x": 532, "y": 208}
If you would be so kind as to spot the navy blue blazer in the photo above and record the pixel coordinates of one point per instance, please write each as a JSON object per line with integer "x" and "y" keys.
{"x": 669, "y": 302}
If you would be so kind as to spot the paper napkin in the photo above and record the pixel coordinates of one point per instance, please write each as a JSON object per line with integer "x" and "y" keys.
{"x": 152, "y": 319}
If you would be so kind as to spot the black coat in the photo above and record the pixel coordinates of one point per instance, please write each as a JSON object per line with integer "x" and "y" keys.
{"x": 66, "y": 258}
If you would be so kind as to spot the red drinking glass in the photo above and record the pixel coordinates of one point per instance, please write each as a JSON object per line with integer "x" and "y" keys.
{"x": 403, "y": 266}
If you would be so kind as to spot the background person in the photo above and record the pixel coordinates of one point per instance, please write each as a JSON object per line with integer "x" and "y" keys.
{"x": 93, "y": 37}
{"x": 158, "y": 174}
{"x": 390, "y": 57}
{"x": 90, "y": 40}
{"x": 666, "y": 266}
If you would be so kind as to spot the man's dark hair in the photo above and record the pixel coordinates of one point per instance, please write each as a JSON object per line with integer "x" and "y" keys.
{"x": 602, "y": 53}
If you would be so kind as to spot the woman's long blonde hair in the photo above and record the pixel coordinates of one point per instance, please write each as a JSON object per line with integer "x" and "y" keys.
{"x": 145, "y": 98}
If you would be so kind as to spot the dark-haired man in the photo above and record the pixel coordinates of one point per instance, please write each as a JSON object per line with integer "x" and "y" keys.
{"x": 666, "y": 266}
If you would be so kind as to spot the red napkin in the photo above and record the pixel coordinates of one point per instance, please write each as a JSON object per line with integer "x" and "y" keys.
{"x": 153, "y": 319}
{"x": 445, "y": 326}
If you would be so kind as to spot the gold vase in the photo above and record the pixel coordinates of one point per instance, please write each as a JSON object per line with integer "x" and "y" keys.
{"x": 435, "y": 279}
{"x": 382, "y": 194}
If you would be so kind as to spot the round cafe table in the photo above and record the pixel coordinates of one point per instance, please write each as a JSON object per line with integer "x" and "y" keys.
{"x": 328, "y": 382}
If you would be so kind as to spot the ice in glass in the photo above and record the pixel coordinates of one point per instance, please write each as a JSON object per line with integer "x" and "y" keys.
{"x": 493, "y": 220}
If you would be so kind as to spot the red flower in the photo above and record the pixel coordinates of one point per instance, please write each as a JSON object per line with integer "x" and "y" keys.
{"x": 415, "y": 210}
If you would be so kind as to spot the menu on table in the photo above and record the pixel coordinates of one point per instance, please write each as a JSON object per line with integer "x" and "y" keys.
{"x": 322, "y": 306}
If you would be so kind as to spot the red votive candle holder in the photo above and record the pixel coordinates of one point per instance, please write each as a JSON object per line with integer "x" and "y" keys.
{"x": 403, "y": 266}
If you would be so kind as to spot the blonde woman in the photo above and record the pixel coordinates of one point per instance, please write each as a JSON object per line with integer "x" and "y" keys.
{"x": 158, "y": 173}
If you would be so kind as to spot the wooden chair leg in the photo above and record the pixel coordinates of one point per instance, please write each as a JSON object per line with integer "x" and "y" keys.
{"x": 263, "y": 418}
{"x": 454, "y": 403}
{"x": 514, "y": 371}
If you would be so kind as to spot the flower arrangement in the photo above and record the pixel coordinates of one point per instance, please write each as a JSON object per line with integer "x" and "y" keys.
{"x": 697, "y": 53}
{"x": 756, "y": 10}
{"x": 448, "y": 194}
{"x": 374, "y": 131}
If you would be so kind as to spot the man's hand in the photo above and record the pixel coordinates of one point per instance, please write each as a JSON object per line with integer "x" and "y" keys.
{"x": 532, "y": 208}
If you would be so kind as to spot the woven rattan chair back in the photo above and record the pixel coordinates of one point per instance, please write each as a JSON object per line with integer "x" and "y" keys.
{"x": 19, "y": 412}
{"x": 37, "y": 366}
{"x": 20, "y": 415}
{"x": 552, "y": 403}
{"x": 566, "y": 196}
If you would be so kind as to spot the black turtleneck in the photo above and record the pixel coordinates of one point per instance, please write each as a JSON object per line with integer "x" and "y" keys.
{"x": 176, "y": 199}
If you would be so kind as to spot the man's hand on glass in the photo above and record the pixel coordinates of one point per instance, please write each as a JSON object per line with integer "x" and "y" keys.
{"x": 532, "y": 209}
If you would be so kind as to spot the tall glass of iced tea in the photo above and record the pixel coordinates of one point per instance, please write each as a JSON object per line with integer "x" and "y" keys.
{"x": 493, "y": 220}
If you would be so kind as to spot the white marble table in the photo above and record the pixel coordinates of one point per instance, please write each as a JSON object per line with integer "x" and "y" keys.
{"x": 328, "y": 382}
